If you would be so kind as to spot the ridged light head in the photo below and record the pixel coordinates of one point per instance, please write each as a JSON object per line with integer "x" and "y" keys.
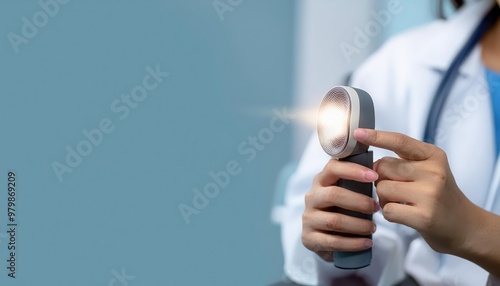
{"x": 343, "y": 110}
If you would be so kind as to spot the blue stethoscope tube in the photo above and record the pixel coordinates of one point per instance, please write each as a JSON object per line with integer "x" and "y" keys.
{"x": 452, "y": 73}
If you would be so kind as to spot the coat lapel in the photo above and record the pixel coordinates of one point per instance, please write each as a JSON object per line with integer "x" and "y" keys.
{"x": 466, "y": 129}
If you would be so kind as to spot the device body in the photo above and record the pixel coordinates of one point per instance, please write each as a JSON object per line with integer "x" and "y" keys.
{"x": 343, "y": 110}
{"x": 355, "y": 259}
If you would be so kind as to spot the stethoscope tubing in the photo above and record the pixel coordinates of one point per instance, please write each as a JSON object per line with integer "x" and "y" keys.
{"x": 452, "y": 73}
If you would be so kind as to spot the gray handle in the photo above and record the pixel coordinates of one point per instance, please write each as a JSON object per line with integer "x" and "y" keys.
{"x": 358, "y": 259}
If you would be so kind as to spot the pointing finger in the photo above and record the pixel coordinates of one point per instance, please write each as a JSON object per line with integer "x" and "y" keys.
{"x": 405, "y": 146}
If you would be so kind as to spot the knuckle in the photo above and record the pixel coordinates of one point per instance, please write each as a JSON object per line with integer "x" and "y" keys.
{"x": 386, "y": 160}
{"x": 306, "y": 219}
{"x": 419, "y": 152}
{"x": 308, "y": 197}
{"x": 335, "y": 222}
{"x": 382, "y": 187}
{"x": 375, "y": 137}
{"x": 316, "y": 178}
{"x": 335, "y": 168}
{"x": 333, "y": 241}
{"x": 332, "y": 163}
{"x": 380, "y": 165}
{"x": 401, "y": 140}
{"x": 439, "y": 153}
{"x": 384, "y": 164}
{"x": 331, "y": 196}
{"x": 388, "y": 213}
{"x": 308, "y": 241}
{"x": 437, "y": 174}
{"x": 305, "y": 240}
{"x": 406, "y": 169}
{"x": 319, "y": 178}
{"x": 432, "y": 151}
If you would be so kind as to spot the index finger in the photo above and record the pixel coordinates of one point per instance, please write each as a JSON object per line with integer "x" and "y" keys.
{"x": 405, "y": 146}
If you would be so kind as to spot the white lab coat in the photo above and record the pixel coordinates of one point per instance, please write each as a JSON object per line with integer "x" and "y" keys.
{"x": 402, "y": 78}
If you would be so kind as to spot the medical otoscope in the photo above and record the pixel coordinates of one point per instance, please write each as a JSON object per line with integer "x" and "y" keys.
{"x": 343, "y": 110}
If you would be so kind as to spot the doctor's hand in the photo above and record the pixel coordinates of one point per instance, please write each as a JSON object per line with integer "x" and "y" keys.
{"x": 419, "y": 191}
{"x": 320, "y": 223}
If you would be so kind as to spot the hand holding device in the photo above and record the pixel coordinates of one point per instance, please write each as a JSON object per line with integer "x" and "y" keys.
{"x": 326, "y": 231}
{"x": 343, "y": 110}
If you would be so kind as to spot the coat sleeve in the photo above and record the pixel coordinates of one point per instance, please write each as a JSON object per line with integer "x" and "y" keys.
{"x": 390, "y": 241}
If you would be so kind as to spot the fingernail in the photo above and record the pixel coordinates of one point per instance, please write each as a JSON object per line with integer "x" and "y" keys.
{"x": 369, "y": 243}
{"x": 374, "y": 228}
{"x": 360, "y": 133}
{"x": 376, "y": 206}
{"x": 371, "y": 175}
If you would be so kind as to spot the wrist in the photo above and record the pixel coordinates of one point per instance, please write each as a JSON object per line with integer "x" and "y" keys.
{"x": 481, "y": 242}
{"x": 473, "y": 228}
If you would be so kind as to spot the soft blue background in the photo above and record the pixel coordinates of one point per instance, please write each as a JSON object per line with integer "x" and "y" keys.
{"x": 119, "y": 208}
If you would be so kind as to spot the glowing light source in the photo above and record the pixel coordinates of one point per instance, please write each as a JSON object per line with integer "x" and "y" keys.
{"x": 333, "y": 121}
